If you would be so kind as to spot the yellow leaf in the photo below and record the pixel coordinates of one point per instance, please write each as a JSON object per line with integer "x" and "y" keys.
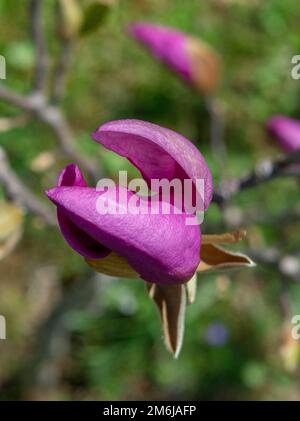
{"x": 71, "y": 18}
{"x": 11, "y": 227}
{"x": 113, "y": 265}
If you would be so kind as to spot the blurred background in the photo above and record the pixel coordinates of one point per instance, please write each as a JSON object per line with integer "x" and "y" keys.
{"x": 76, "y": 335}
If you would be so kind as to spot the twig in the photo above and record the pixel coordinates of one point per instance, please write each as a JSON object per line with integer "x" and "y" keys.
{"x": 54, "y": 118}
{"x": 62, "y": 68}
{"x": 264, "y": 172}
{"x": 17, "y": 191}
{"x": 286, "y": 264}
{"x": 217, "y": 141}
{"x": 39, "y": 41}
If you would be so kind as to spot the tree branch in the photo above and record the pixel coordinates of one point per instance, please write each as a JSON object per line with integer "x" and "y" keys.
{"x": 54, "y": 118}
{"x": 217, "y": 141}
{"x": 39, "y": 41}
{"x": 17, "y": 191}
{"x": 60, "y": 77}
{"x": 264, "y": 172}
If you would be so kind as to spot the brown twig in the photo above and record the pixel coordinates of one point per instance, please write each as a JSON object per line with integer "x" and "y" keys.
{"x": 17, "y": 191}
{"x": 38, "y": 36}
{"x": 38, "y": 104}
{"x": 61, "y": 71}
{"x": 286, "y": 264}
{"x": 55, "y": 119}
{"x": 264, "y": 172}
{"x": 217, "y": 141}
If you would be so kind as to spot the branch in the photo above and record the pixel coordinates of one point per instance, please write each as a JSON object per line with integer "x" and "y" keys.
{"x": 27, "y": 103}
{"x": 17, "y": 191}
{"x": 286, "y": 264}
{"x": 39, "y": 41}
{"x": 60, "y": 77}
{"x": 264, "y": 172}
{"x": 217, "y": 141}
{"x": 54, "y": 118}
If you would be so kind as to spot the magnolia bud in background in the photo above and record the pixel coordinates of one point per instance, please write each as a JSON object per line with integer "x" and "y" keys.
{"x": 195, "y": 61}
{"x": 286, "y": 130}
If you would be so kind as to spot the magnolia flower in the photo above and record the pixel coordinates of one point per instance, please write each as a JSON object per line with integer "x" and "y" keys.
{"x": 162, "y": 249}
{"x": 193, "y": 59}
{"x": 286, "y": 130}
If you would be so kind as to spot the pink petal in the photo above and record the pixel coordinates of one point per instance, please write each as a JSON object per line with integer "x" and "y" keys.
{"x": 78, "y": 239}
{"x": 162, "y": 248}
{"x": 157, "y": 152}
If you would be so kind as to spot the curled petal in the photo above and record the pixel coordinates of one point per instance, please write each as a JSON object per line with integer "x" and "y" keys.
{"x": 71, "y": 175}
{"x": 157, "y": 152}
{"x": 79, "y": 240}
{"x": 161, "y": 248}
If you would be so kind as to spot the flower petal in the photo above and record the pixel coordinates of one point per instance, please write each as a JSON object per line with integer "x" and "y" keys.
{"x": 157, "y": 152}
{"x": 71, "y": 175}
{"x": 162, "y": 248}
{"x": 80, "y": 241}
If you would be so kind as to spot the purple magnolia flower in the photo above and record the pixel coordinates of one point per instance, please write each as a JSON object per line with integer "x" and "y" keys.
{"x": 195, "y": 61}
{"x": 286, "y": 130}
{"x": 161, "y": 248}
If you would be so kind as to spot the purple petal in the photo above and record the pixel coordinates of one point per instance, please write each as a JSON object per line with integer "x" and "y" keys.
{"x": 157, "y": 152}
{"x": 286, "y": 130}
{"x": 78, "y": 239}
{"x": 162, "y": 248}
{"x": 71, "y": 176}
{"x": 166, "y": 44}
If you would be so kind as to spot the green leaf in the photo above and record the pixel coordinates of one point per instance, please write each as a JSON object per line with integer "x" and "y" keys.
{"x": 94, "y": 15}
{"x": 20, "y": 55}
